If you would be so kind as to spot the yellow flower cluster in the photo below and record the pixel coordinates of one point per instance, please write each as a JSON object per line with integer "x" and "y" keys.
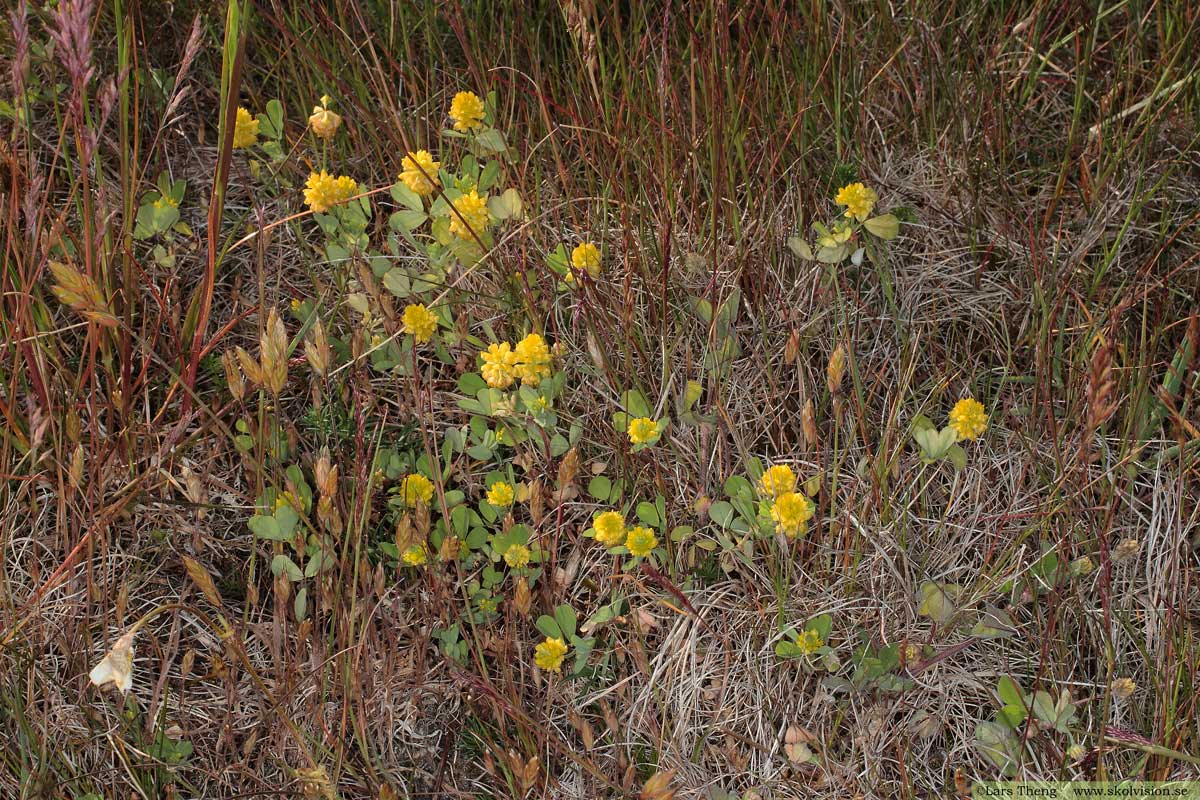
{"x": 517, "y": 556}
{"x": 640, "y": 541}
{"x": 777, "y": 480}
{"x": 809, "y": 642}
{"x": 549, "y": 654}
{"x": 858, "y": 200}
{"x": 530, "y": 361}
{"x": 466, "y": 109}
{"x": 420, "y": 322}
{"x": 416, "y": 488}
{"x": 499, "y": 365}
{"x": 472, "y": 218}
{"x": 416, "y": 556}
{"x": 245, "y": 129}
{"x": 968, "y": 419}
{"x": 609, "y": 527}
{"x": 587, "y": 258}
{"x": 642, "y": 430}
{"x": 501, "y": 494}
{"x": 420, "y": 172}
{"x": 791, "y": 512}
{"x": 534, "y": 359}
{"x": 322, "y": 191}
{"x": 323, "y": 121}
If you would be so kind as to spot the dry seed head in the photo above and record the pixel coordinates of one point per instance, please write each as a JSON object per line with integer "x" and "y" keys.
{"x": 1126, "y": 549}
{"x": 808, "y": 424}
{"x": 836, "y": 369}
{"x": 250, "y": 367}
{"x": 658, "y": 786}
{"x": 405, "y": 536}
{"x": 77, "y": 466}
{"x": 537, "y": 501}
{"x": 233, "y": 375}
{"x": 273, "y": 354}
{"x": 522, "y": 597}
{"x": 317, "y": 350}
{"x": 421, "y": 520}
{"x": 450, "y": 548}
{"x": 791, "y": 350}
{"x": 569, "y": 468}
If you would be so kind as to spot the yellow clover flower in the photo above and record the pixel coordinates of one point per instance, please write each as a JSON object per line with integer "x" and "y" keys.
{"x": 499, "y": 365}
{"x": 501, "y": 494}
{"x": 245, "y": 129}
{"x": 777, "y": 480}
{"x": 323, "y": 121}
{"x": 517, "y": 556}
{"x": 968, "y": 419}
{"x": 420, "y": 322}
{"x": 323, "y": 191}
{"x": 472, "y": 218}
{"x": 640, "y": 540}
{"x": 533, "y": 359}
{"x": 416, "y": 556}
{"x": 809, "y": 642}
{"x": 416, "y": 488}
{"x": 587, "y": 257}
{"x": 791, "y": 512}
{"x": 609, "y": 527}
{"x": 642, "y": 430}
{"x": 420, "y": 172}
{"x": 549, "y": 654}
{"x": 466, "y": 109}
{"x": 858, "y": 200}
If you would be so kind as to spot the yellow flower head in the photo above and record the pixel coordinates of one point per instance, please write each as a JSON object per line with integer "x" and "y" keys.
{"x": 967, "y": 418}
{"x": 791, "y": 512}
{"x": 472, "y": 218}
{"x": 420, "y": 172}
{"x": 640, "y": 540}
{"x": 587, "y": 257}
{"x": 466, "y": 109}
{"x": 420, "y": 322}
{"x": 642, "y": 430}
{"x": 323, "y": 121}
{"x": 609, "y": 527}
{"x": 549, "y": 654}
{"x": 858, "y": 200}
{"x": 809, "y": 642}
{"x": 517, "y": 556}
{"x": 245, "y": 129}
{"x": 499, "y": 365}
{"x": 533, "y": 359}
{"x": 416, "y": 556}
{"x": 323, "y": 191}
{"x": 501, "y": 494}
{"x": 416, "y": 488}
{"x": 777, "y": 480}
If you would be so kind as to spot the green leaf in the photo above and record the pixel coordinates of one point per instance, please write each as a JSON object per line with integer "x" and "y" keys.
{"x": 822, "y": 624}
{"x": 407, "y": 197}
{"x": 600, "y": 488}
{"x": 287, "y": 518}
{"x": 566, "y": 618}
{"x": 935, "y": 444}
{"x": 492, "y": 140}
{"x": 1043, "y": 706}
{"x": 648, "y": 514}
{"x": 937, "y": 601}
{"x": 957, "y": 456}
{"x": 407, "y": 221}
{"x": 721, "y": 513}
{"x": 300, "y": 604}
{"x": 549, "y": 627}
{"x": 635, "y": 403}
{"x": 265, "y": 527}
{"x": 283, "y": 564}
{"x": 886, "y": 227}
{"x": 800, "y": 247}
{"x": 505, "y": 206}
{"x": 1010, "y": 693}
{"x": 832, "y": 255}
{"x": 999, "y": 745}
